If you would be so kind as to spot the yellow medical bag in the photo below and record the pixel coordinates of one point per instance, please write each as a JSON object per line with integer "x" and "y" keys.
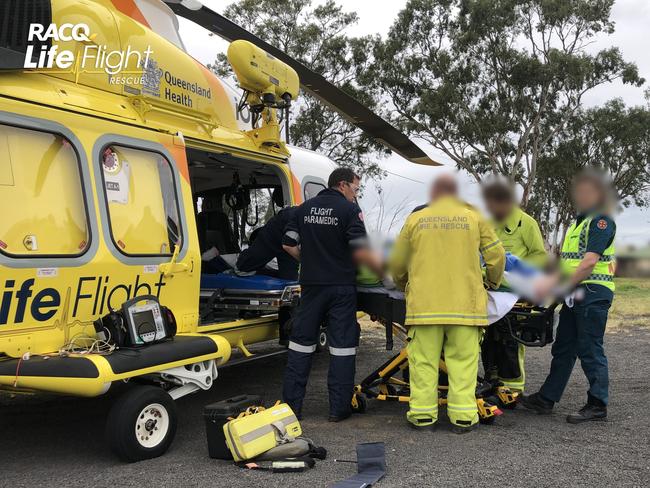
{"x": 257, "y": 430}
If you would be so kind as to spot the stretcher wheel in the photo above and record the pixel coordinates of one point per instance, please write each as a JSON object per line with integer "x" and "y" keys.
{"x": 487, "y": 420}
{"x": 359, "y": 403}
{"x": 506, "y": 399}
{"x": 141, "y": 423}
{"x": 507, "y": 406}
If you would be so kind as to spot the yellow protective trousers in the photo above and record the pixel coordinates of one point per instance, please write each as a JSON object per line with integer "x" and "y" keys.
{"x": 460, "y": 344}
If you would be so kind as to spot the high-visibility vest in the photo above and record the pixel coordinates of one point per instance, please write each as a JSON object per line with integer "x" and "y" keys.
{"x": 574, "y": 249}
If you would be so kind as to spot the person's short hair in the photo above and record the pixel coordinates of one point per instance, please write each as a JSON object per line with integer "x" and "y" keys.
{"x": 341, "y": 174}
{"x": 499, "y": 189}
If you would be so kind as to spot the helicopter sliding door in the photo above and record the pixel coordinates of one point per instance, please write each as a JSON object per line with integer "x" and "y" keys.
{"x": 143, "y": 195}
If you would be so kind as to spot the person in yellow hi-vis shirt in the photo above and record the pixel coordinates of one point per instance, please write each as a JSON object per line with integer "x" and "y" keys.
{"x": 436, "y": 261}
{"x": 503, "y": 357}
{"x": 519, "y": 232}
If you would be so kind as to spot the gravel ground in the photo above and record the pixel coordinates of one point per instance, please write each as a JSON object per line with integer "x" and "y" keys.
{"x": 59, "y": 441}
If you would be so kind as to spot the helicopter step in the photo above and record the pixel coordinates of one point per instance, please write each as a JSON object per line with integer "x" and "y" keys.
{"x": 92, "y": 374}
{"x": 254, "y": 357}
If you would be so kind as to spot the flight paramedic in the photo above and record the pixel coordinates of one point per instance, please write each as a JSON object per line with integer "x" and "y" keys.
{"x": 588, "y": 262}
{"x": 328, "y": 235}
{"x": 503, "y": 357}
{"x": 266, "y": 244}
{"x": 436, "y": 260}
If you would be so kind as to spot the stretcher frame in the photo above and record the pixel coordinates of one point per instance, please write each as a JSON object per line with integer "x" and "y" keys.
{"x": 381, "y": 384}
{"x": 248, "y": 300}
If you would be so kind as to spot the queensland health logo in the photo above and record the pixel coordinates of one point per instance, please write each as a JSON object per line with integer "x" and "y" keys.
{"x": 90, "y": 57}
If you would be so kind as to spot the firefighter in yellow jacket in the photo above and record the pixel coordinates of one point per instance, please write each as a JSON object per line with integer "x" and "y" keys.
{"x": 503, "y": 357}
{"x": 436, "y": 261}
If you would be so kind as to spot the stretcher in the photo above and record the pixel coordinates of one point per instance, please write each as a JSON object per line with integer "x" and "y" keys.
{"x": 257, "y": 293}
{"x": 529, "y": 324}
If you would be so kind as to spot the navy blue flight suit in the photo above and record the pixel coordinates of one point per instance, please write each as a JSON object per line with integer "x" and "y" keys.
{"x": 328, "y": 229}
{"x": 581, "y": 330}
{"x": 268, "y": 245}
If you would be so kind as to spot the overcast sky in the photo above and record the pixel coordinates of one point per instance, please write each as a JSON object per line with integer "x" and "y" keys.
{"x": 408, "y": 182}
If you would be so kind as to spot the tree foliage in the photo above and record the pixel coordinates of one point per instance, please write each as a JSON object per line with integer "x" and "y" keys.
{"x": 316, "y": 35}
{"x": 614, "y": 138}
{"x": 492, "y": 83}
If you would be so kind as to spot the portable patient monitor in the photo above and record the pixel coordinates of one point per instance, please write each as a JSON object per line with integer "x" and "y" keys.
{"x": 144, "y": 321}
{"x": 140, "y": 322}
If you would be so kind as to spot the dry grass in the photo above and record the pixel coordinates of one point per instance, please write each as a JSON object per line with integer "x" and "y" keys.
{"x": 631, "y": 305}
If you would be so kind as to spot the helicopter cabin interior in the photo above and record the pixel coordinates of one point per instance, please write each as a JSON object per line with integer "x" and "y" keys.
{"x": 234, "y": 197}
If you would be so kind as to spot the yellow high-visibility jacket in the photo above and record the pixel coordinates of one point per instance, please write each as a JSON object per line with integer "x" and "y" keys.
{"x": 436, "y": 262}
{"x": 520, "y": 235}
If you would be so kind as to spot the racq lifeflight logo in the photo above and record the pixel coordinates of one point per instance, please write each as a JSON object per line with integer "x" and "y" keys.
{"x": 90, "y": 57}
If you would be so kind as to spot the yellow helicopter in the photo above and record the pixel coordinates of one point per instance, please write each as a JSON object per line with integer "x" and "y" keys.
{"x": 122, "y": 159}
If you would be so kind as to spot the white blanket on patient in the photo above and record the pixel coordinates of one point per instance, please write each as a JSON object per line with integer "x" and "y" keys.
{"x": 499, "y": 304}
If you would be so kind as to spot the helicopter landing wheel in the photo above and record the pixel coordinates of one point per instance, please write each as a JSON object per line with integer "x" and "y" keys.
{"x": 141, "y": 424}
{"x": 323, "y": 343}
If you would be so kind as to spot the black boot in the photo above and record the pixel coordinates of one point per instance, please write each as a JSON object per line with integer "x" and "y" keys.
{"x": 587, "y": 413}
{"x": 423, "y": 425}
{"x": 464, "y": 429}
{"x": 537, "y": 402}
{"x": 339, "y": 418}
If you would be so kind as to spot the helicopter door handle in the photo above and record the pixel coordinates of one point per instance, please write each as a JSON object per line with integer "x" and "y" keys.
{"x": 173, "y": 266}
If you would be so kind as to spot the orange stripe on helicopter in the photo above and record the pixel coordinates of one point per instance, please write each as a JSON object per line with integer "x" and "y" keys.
{"x": 129, "y": 8}
{"x": 297, "y": 195}
{"x": 178, "y": 153}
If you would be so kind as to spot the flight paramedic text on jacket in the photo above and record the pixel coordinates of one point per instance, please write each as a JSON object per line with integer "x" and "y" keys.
{"x": 332, "y": 237}
{"x": 436, "y": 261}
{"x": 503, "y": 357}
{"x": 588, "y": 263}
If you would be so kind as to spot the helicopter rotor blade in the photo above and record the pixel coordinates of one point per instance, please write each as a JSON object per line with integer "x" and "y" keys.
{"x": 313, "y": 83}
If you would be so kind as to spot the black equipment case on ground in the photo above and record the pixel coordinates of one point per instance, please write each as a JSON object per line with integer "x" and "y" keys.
{"x": 216, "y": 415}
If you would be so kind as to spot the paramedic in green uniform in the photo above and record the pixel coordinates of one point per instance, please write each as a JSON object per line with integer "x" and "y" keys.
{"x": 503, "y": 357}
{"x": 588, "y": 262}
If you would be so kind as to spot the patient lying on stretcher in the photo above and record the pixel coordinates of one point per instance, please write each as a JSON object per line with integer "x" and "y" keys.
{"x": 264, "y": 254}
{"x": 521, "y": 281}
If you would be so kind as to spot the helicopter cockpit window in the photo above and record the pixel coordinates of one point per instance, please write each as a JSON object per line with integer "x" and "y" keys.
{"x": 142, "y": 201}
{"x": 312, "y": 189}
{"x": 41, "y": 194}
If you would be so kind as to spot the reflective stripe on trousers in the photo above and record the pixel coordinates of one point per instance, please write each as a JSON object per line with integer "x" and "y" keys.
{"x": 336, "y": 306}
{"x": 423, "y": 409}
{"x": 343, "y": 351}
{"x": 294, "y": 346}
